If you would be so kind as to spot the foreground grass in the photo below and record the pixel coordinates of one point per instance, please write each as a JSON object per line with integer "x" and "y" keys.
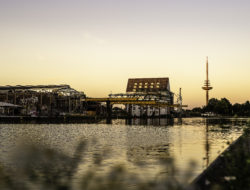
{"x": 44, "y": 168}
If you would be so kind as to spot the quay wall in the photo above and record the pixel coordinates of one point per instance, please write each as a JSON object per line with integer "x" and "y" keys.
{"x": 230, "y": 170}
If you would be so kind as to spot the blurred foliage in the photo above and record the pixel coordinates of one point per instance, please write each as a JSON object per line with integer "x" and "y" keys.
{"x": 39, "y": 167}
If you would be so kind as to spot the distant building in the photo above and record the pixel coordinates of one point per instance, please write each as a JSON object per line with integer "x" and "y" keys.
{"x": 40, "y": 100}
{"x": 150, "y": 89}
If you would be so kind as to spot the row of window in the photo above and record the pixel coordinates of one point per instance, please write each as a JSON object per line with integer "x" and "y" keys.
{"x": 153, "y": 112}
{"x": 135, "y": 87}
{"x": 146, "y": 83}
{"x": 150, "y": 108}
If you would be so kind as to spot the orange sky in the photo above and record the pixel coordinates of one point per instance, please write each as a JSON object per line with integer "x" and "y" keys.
{"x": 95, "y": 46}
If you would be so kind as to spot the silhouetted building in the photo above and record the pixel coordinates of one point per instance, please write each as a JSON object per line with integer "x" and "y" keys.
{"x": 43, "y": 99}
{"x": 150, "y": 89}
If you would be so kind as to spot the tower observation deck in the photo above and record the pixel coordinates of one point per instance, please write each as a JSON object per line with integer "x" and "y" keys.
{"x": 207, "y": 86}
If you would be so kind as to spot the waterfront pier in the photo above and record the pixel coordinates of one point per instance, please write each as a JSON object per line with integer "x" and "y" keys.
{"x": 144, "y": 97}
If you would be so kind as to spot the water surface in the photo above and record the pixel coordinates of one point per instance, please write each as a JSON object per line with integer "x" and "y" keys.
{"x": 131, "y": 142}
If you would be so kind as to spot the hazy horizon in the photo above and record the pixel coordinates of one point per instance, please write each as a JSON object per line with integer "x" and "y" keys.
{"x": 95, "y": 46}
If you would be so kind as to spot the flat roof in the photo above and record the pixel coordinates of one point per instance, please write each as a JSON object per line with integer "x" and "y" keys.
{"x": 20, "y": 87}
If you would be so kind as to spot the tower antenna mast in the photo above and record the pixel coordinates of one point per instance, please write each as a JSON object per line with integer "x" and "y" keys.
{"x": 207, "y": 86}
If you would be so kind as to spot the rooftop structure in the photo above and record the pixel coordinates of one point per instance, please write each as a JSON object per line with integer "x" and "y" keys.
{"x": 25, "y": 87}
{"x": 150, "y": 89}
{"x": 148, "y": 85}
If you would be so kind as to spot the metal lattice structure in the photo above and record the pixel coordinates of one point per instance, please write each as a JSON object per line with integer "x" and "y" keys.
{"x": 43, "y": 99}
{"x": 144, "y": 94}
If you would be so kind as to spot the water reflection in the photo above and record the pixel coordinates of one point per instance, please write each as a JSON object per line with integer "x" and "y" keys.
{"x": 144, "y": 153}
{"x": 133, "y": 141}
{"x": 207, "y": 145}
{"x": 150, "y": 121}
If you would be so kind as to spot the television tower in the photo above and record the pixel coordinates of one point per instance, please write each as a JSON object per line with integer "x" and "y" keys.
{"x": 207, "y": 86}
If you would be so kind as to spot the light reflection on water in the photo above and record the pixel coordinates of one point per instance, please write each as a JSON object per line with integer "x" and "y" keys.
{"x": 132, "y": 141}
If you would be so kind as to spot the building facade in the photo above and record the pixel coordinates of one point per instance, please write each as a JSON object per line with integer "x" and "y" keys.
{"x": 150, "y": 89}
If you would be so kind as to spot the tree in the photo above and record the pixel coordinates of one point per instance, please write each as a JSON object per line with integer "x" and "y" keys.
{"x": 212, "y": 105}
{"x": 225, "y": 107}
{"x": 222, "y": 106}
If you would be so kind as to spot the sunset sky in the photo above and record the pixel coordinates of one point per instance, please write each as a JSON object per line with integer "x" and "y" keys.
{"x": 96, "y": 45}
